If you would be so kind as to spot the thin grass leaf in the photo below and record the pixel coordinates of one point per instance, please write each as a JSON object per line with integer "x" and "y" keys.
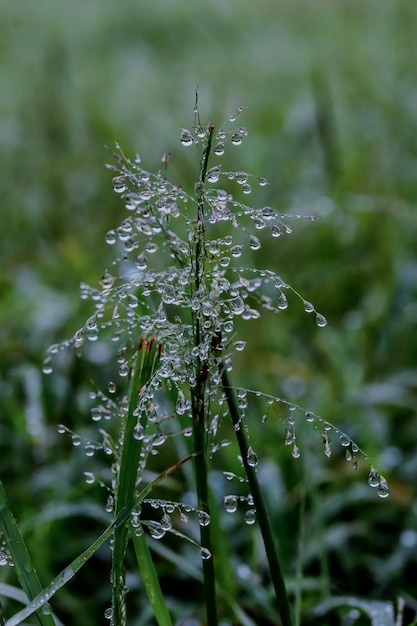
{"x": 25, "y": 570}
{"x": 150, "y": 579}
{"x": 147, "y": 359}
{"x": 69, "y": 572}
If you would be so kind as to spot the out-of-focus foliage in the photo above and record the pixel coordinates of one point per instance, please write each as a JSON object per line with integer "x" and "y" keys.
{"x": 331, "y": 91}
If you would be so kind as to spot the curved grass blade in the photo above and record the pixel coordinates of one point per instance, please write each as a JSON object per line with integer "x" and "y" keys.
{"x": 69, "y": 572}
{"x": 25, "y": 570}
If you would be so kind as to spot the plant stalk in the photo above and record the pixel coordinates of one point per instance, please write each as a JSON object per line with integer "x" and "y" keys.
{"x": 198, "y": 402}
{"x": 260, "y": 505}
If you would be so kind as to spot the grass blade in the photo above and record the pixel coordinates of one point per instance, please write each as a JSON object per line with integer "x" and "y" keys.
{"x": 25, "y": 570}
{"x": 69, "y": 572}
{"x": 147, "y": 359}
{"x": 150, "y": 578}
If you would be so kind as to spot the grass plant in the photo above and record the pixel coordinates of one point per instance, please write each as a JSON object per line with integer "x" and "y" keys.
{"x": 170, "y": 303}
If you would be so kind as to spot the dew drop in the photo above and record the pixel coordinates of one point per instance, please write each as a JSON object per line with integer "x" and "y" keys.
{"x": 236, "y": 251}
{"x": 282, "y": 301}
{"x": 383, "y": 489}
{"x": 250, "y": 516}
{"x": 251, "y": 457}
{"x": 230, "y": 504}
{"x": 111, "y": 237}
{"x": 108, "y": 613}
{"x": 205, "y": 554}
{"x": 254, "y": 242}
{"x": 246, "y": 189}
{"x": 203, "y": 518}
{"x": 308, "y": 307}
{"x": 262, "y": 181}
{"x": 321, "y": 320}
{"x": 236, "y": 138}
{"x": 219, "y": 149}
{"x": 155, "y": 530}
{"x": 275, "y": 231}
{"x": 345, "y": 440}
{"x": 213, "y": 174}
{"x": 296, "y": 452}
{"x": 47, "y": 367}
{"x": 186, "y": 137}
{"x": 89, "y": 478}
{"x": 374, "y": 478}
{"x": 237, "y": 306}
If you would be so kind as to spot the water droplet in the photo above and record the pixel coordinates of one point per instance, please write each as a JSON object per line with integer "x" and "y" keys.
{"x": 186, "y": 137}
{"x": 111, "y": 237}
{"x": 240, "y": 345}
{"x": 213, "y": 174}
{"x": 321, "y": 320}
{"x": 251, "y": 457}
{"x": 230, "y": 503}
{"x": 250, "y": 516}
{"x": 108, "y": 613}
{"x": 205, "y": 554}
{"x": 236, "y": 251}
{"x": 254, "y": 242}
{"x": 262, "y": 181}
{"x": 296, "y": 452}
{"x": 203, "y": 518}
{"x": 89, "y": 448}
{"x": 155, "y": 530}
{"x": 89, "y": 478}
{"x": 47, "y": 367}
{"x": 383, "y": 489}
{"x": 326, "y": 443}
{"x": 275, "y": 231}
{"x": 246, "y": 189}
{"x": 119, "y": 184}
{"x": 345, "y": 440}
{"x": 308, "y": 307}
{"x": 374, "y": 478}
{"x": 219, "y": 149}
{"x": 236, "y": 138}
{"x": 237, "y": 306}
{"x": 282, "y": 301}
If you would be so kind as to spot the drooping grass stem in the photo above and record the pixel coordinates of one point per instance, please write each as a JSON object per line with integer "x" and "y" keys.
{"x": 260, "y": 505}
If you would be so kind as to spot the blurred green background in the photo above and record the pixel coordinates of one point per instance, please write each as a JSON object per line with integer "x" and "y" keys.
{"x": 331, "y": 95}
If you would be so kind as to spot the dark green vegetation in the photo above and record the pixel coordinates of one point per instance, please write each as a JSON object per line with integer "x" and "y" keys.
{"x": 331, "y": 91}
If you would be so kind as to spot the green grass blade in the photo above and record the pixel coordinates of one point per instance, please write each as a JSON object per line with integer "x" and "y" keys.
{"x": 146, "y": 362}
{"x": 70, "y": 571}
{"x": 25, "y": 570}
{"x": 150, "y": 579}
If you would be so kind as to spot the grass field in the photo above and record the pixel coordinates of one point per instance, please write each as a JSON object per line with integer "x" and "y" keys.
{"x": 331, "y": 91}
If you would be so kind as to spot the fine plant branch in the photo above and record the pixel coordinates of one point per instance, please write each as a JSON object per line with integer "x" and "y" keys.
{"x": 147, "y": 359}
{"x": 259, "y": 502}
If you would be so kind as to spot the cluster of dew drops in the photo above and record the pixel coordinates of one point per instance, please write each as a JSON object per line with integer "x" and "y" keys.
{"x": 154, "y": 205}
